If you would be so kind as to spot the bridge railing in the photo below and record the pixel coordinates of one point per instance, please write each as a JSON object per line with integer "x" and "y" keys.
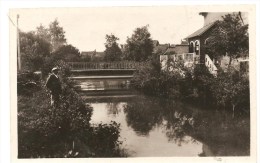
{"x": 104, "y": 65}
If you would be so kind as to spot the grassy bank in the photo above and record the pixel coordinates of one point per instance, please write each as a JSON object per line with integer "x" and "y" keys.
{"x": 64, "y": 131}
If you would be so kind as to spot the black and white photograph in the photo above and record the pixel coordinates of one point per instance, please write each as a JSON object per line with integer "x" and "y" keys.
{"x": 133, "y": 82}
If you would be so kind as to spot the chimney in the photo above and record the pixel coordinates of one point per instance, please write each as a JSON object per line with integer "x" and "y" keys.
{"x": 204, "y": 14}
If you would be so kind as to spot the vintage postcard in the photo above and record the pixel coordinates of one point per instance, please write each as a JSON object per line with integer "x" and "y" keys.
{"x": 143, "y": 84}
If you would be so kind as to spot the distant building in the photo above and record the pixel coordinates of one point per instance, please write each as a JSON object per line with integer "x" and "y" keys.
{"x": 92, "y": 55}
{"x": 197, "y": 42}
{"x": 167, "y": 49}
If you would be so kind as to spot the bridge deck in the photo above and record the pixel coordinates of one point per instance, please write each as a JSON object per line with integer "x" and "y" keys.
{"x": 86, "y": 70}
{"x": 103, "y": 77}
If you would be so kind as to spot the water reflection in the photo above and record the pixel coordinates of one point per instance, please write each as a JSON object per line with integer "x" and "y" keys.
{"x": 157, "y": 127}
{"x": 141, "y": 117}
{"x": 145, "y": 130}
{"x": 113, "y": 108}
{"x": 105, "y": 84}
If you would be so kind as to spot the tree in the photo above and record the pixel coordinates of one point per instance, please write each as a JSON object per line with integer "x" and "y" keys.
{"x": 34, "y": 50}
{"x": 230, "y": 36}
{"x": 67, "y": 53}
{"x": 229, "y": 89}
{"x": 43, "y": 33}
{"x": 139, "y": 46}
{"x": 57, "y": 35}
{"x": 112, "y": 52}
{"x": 53, "y": 34}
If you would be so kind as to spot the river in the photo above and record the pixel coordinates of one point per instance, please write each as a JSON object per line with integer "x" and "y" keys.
{"x": 157, "y": 127}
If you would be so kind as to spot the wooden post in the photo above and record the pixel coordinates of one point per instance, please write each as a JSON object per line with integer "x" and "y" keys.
{"x": 18, "y": 46}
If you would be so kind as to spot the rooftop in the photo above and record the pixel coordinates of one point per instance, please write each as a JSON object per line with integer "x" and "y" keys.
{"x": 202, "y": 30}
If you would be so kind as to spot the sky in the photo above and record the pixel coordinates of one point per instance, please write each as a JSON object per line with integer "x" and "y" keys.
{"x": 86, "y": 28}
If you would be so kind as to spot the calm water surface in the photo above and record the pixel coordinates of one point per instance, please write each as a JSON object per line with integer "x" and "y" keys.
{"x": 157, "y": 127}
{"x": 145, "y": 138}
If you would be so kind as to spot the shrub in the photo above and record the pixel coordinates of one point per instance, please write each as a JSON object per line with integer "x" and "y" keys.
{"x": 63, "y": 131}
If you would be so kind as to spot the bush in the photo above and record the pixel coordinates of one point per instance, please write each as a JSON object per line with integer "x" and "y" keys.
{"x": 176, "y": 83}
{"x": 64, "y": 131}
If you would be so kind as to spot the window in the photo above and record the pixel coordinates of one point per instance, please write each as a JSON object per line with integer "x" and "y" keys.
{"x": 191, "y": 48}
{"x": 197, "y": 47}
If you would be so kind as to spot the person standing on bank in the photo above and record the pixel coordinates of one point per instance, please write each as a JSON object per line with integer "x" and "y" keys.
{"x": 54, "y": 85}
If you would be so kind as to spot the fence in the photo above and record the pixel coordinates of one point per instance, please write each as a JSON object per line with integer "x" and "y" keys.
{"x": 210, "y": 65}
{"x": 104, "y": 65}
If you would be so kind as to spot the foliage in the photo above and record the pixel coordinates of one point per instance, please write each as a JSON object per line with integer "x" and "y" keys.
{"x": 54, "y": 34}
{"x": 174, "y": 83}
{"x": 63, "y": 131}
{"x": 57, "y": 35}
{"x": 40, "y": 125}
{"x": 112, "y": 52}
{"x": 104, "y": 140}
{"x": 67, "y": 53}
{"x": 139, "y": 46}
{"x": 196, "y": 84}
{"x": 34, "y": 50}
{"x": 234, "y": 90}
{"x": 229, "y": 37}
{"x": 43, "y": 48}
{"x": 43, "y": 33}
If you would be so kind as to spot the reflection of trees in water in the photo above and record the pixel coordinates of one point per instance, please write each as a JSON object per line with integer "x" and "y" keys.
{"x": 142, "y": 115}
{"x": 222, "y": 134}
{"x": 176, "y": 123}
{"x": 113, "y": 108}
{"x": 219, "y": 132}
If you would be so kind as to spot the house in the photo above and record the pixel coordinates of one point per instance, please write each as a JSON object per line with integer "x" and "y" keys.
{"x": 167, "y": 49}
{"x": 197, "y": 42}
{"x": 92, "y": 55}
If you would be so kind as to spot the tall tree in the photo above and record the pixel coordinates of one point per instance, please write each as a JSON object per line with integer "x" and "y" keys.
{"x": 229, "y": 37}
{"x": 34, "y": 50}
{"x": 139, "y": 46}
{"x": 43, "y": 33}
{"x": 112, "y": 52}
{"x": 57, "y": 35}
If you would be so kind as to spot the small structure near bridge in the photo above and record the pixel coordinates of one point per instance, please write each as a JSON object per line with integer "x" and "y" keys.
{"x": 188, "y": 59}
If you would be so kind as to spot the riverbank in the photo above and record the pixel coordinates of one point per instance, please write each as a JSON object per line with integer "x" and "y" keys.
{"x": 227, "y": 91}
{"x": 64, "y": 131}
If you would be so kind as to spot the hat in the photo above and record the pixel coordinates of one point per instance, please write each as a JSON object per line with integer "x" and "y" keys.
{"x": 54, "y": 68}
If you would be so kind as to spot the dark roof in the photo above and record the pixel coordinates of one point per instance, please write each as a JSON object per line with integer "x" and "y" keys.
{"x": 161, "y": 48}
{"x": 87, "y": 52}
{"x": 202, "y": 30}
{"x": 184, "y": 42}
{"x": 92, "y": 53}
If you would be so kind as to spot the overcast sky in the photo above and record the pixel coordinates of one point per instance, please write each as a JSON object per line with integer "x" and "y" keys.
{"x": 86, "y": 27}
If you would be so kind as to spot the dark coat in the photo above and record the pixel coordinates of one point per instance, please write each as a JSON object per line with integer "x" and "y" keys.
{"x": 53, "y": 84}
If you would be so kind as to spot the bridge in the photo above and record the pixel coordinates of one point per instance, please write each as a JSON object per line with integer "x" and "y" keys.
{"x": 99, "y": 66}
{"x": 122, "y": 68}
{"x": 103, "y": 79}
